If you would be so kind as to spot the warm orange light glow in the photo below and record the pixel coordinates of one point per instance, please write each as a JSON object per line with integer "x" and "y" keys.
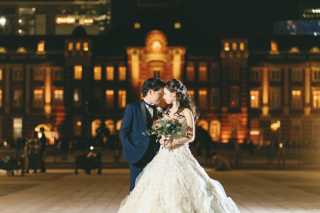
{"x": 78, "y": 72}
{"x": 78, "y": 46}
{"x": 122, "y": 98}
{"x": 242, "y": 47}
{"x": 109, "y": 98}
{"x": 254, "y": 133}
{"x": 41, "y": 46}
{"x": 234, "y": 46}
{"x": 86, "y": 21}
{"x": 85, "y": 46}
{"x": 156, "y": 45}
{"x": 0, "y": 74}
{"x": 275, "y": 126}
{"x": 274, "y": 46}
{"x": 110, "y": 73}
{"x": 70, "y": 46}
{"x": 97, "y": 73}
{"x": 79, "y": 123}
{"x": 122, "y": 73}
{"x": 109, "y": 92}
{"x": 65, "y": 20}
{"x": 226, "y": 46}
{"x": 191, "y": 93}
{"x": 316, "y": 99}
{"x": 202, "y": 92}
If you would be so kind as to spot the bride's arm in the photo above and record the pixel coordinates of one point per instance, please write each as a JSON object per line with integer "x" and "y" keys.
{"x": 191, "y": 130}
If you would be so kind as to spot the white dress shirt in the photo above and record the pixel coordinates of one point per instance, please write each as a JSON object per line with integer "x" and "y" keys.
{"x": 150, "y": 109}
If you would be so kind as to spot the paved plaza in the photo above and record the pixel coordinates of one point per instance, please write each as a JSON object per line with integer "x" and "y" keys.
{"x": 63, "y": 191}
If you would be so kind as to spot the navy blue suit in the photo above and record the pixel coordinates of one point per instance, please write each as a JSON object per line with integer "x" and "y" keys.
{"x": 138, "y": 149}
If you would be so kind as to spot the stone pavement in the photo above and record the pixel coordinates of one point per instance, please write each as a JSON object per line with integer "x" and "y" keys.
{"x": 63, "y": 191}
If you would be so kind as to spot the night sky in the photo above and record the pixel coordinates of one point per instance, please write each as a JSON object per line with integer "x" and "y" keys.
{"x": 226, "y": 16}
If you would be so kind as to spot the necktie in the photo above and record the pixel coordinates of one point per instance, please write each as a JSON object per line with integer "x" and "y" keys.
{"x": 154, "y": 107}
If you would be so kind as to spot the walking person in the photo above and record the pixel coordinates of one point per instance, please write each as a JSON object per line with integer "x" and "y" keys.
{"x": 34, "y": 149}
{"x": 43, "y": 141}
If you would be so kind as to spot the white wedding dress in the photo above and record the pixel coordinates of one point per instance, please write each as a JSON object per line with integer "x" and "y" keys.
{"x": 174, "y": 182}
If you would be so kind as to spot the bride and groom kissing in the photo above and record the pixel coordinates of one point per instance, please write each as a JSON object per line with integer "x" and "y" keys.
{"x": 164, "y": 175}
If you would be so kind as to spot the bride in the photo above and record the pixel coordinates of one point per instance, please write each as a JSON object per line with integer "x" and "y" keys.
{"x": 174, "y": 182}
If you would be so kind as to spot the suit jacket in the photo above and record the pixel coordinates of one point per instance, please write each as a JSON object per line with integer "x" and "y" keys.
{"x": 135, "y": 145}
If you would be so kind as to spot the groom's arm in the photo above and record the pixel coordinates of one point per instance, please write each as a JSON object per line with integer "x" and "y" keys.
{"x": 126, "y": 126}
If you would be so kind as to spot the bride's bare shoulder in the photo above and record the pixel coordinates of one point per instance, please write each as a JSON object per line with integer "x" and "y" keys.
{"x": 186, "y": 112}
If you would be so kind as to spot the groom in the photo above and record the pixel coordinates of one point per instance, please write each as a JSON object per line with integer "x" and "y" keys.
{"x": 138, "y": 149}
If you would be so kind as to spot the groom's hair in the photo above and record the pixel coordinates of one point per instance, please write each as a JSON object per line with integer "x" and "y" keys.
{"x": 152, "y": 83}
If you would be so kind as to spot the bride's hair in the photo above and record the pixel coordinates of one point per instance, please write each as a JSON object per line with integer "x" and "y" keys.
{"x": 184, "y": 99}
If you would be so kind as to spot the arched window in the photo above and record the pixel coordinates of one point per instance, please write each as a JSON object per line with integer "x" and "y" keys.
{"x": 94, "y": 126}
{"x": 110, "y": 125}
{"x": 215, "y": 130}
{"x": 203, "y": 124}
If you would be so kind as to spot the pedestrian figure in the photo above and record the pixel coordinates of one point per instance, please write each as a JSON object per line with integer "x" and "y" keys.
{"x": 34, "y": 149}
{"x": 220, "y": 163}
{"x": 43, "y": 140}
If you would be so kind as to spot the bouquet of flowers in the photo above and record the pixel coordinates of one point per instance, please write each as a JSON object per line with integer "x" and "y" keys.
{"x": 165, "y": 126}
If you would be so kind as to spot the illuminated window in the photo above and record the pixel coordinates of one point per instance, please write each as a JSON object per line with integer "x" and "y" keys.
{"x": 65, "y": 20}
{"x": 0, "y": 98}
{"x": 86, "y": 21}
{"x": 110, "y": 73}
{"x": 38, "y": 98}
{"x": 275, "y": 75}
{"x": 41, "y": 46}
{"x": 78, "y": 72}
{"x": 276, "y": 98}
{"x": 70, "y": 46}
{"x": 234, "y": 127}
{"x": 203, "y": 72}
{"x": 296, "y": 99}
{"x": 234, "y": 97}
{"x": 17, "y": 98}
{"x": 97, "y": 73}
{"x": 17, "y": 75}
{"x": 226, "y": 46}
{"x": 191, "y": 93}
{"x": 215, "y": 130}
{"x": 177, "y": 25}
{"x": 215, "y": 71}
{"x": 58, "y": 75}
{"x": 316, "y": 99}
{"x": 242, "y": 47}
{"x": 203, "y": 99}
{"x": 122, "y": 73}
{"x": 85, "y": 46}
{"x": 234, "y": 73}
{"x": 122, "y": 98}
{"x": 316, "y": 74}
{"x": 77, "y": 97}
{"x": 190, "y": 72}
{"x": 296, "y": 75}
{"x": 203, "y": 124}
{"x": 77, "y": 125}
{"x": 38, "y": 75}
{"x": 110, "y": 125}
{"x": 0, "y": 74}
{"x": 17, "y": 128}
{"x": 234, "y": 46}
{"x": 58, "y": 98}
{"x": 254, "y": 99}
{"x": 109, "y": 98}
{"x": 78, "y": 46}
{"x": 254, "y": 75}
{"x": 274, "y": 46}
{"x": 137, "y": 25}
{"x": 215, "y": 98}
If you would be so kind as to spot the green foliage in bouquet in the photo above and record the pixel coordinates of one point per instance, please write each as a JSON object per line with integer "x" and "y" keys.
{"x": 165, "y": 126}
